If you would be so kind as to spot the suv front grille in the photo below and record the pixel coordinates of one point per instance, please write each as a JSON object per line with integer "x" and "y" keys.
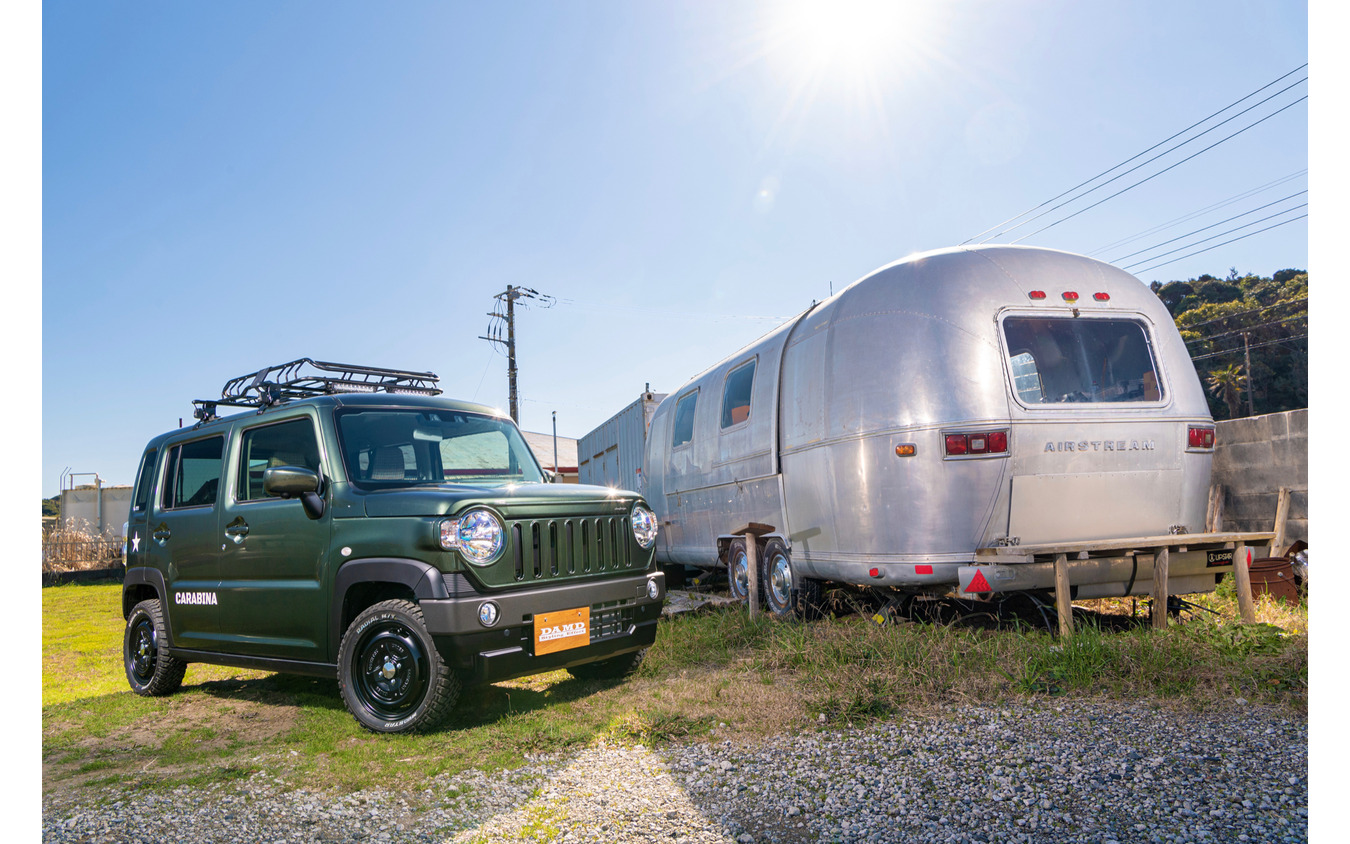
{"x": 543, "y": 549}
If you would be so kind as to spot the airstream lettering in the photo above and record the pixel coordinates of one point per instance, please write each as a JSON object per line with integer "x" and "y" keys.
{"x": 940, "y": 423}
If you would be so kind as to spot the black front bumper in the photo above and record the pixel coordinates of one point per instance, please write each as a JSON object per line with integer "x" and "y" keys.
{"x": 623, "y": 620}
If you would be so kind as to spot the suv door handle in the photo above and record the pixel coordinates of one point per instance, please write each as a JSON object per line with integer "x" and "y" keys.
{"x": 237, "y": 530}
{"x": 161, "y": 534}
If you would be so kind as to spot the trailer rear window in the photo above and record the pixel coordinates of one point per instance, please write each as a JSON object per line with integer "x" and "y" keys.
{"x": 1066, "y": 360}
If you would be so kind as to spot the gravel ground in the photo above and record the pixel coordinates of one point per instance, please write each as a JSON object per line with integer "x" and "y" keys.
{"x": 1064, "y": 772}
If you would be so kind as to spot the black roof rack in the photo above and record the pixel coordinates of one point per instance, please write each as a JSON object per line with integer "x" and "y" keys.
{"x": 306, "y": 378}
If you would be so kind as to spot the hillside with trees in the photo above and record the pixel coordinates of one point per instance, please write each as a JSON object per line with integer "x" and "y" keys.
{"x": 1226, "y": 321}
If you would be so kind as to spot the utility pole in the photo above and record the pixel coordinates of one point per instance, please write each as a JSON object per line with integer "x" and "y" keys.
{"x": 1247, "y": 353}
{"x": 494, "y": 333}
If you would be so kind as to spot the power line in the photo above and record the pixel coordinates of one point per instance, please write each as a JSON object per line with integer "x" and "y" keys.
{"x": 1147, "y": 151}
{"x": 1225, "y": 243}
{"x": 1256, "y": 346}
{"x": 1191, "y": 216}
{"x": 1212, "y": 237}
{"x": 1155, "y": 175}
{"x": 1243, "y": 313}
{"x": 1210, "y": 226}
{"x": 1245, "y": 329}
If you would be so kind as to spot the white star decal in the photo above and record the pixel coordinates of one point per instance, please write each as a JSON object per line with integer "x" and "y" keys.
{"x": 136, "y": 541}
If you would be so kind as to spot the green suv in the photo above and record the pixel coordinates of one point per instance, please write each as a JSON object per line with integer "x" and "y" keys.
{"x": 352, "y": 524}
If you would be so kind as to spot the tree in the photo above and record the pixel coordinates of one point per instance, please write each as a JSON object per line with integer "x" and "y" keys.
{"x": 1228, "y": 384}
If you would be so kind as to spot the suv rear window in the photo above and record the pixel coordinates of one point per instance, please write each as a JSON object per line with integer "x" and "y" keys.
{"x": 193, "y": 473}
{"x": 1062, "y": 360}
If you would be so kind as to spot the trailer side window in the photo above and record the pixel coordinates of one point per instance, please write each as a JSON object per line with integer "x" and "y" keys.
{"x": 684, "y": 420}
{"x": 1062, "y": 360}
{"x": 736, "y": 394}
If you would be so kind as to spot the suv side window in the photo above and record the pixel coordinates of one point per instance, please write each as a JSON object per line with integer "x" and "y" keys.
{"x": 193, "y": 474}
{"x": 290, "y": 443}
{"x": 144, "y": 481}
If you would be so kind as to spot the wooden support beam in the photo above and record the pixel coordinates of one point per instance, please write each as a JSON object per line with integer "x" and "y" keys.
{"x": 1063, "y": 600}
{"x": 1243, "y": 577}
{"x": 1277, "y": 542}
{"x": 1160, "y": 562}
{"x": 752, "y": 573}
{"x": 1214, "y": 515}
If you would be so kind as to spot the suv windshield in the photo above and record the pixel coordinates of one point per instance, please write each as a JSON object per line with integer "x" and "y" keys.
{"x": 1061, "y": 359}
{"x": 387, "y": 447}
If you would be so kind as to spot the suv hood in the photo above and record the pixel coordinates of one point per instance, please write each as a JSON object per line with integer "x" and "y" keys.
{"x": 521, "y": 500}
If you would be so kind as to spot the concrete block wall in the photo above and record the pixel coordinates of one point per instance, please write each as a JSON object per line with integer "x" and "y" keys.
{"x": 1253, "y": 458}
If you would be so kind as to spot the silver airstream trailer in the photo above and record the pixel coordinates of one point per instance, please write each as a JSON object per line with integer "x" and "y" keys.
{"x": 938, "y": 426}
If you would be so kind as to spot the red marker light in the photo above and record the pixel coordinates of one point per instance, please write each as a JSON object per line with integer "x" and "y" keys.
{"x": 1200, "y": 437}
{"x": 1070, "y": 296}
{"x": 923, "y": 569}
{"x": 874, "y": 572}
{"x": 1036, "y": 294}
{"x": 1102, "y": 297}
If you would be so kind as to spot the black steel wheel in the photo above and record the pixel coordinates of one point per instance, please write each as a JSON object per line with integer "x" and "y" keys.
{"x": 150, "y": 670}
{"x": 787, "y": 594}
{"x": 391, "y": 677}
{"x": 614, "y": 668}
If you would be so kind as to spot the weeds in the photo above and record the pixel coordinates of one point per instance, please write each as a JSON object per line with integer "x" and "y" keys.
{"x": 710, "y": 675}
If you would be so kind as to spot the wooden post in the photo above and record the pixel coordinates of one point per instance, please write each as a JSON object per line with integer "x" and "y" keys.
{"x": 752, "y": 573}
{"x": 1063, "y": 601}
{"x": 1246, "y": 607}
{"x": 1160, "y": 562}
{"x": 1277, "y": 542}
{"x": 1214, "y": 515}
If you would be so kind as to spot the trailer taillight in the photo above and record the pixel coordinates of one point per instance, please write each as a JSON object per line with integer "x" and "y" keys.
{"x": 1200, "y": 437}
{"x": 983, "y": 442}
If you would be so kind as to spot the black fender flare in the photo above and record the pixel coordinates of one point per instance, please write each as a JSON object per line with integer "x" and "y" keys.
{"x": 154, "y": 578}
{"x": 422, "y": 579}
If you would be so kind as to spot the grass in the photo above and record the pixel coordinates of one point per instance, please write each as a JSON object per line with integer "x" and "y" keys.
{"x": 717, "y": 675}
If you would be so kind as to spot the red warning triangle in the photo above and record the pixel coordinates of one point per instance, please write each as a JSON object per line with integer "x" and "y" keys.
{"x": 978, "y": 583}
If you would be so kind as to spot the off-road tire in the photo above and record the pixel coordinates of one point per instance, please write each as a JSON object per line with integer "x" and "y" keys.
{"x": 151, "y": 672}
{"x": 786, "y": 593}
{"x": 615, "y": 668}
{"x": 390, "y": 675}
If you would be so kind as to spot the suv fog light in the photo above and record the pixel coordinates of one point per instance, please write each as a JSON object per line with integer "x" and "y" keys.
{"x": 487, "y": 613}
{"x": 653, "y": 590}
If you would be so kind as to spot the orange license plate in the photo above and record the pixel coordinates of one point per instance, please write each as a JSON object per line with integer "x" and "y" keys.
{"x": 561, "y": 630}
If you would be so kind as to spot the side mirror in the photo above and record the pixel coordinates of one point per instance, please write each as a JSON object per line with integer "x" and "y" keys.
{"x": 550, "y": 477}
{"x": 296, "y": 482}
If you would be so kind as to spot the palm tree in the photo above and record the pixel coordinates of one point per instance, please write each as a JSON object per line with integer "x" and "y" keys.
{"x": 1228, "y": 384}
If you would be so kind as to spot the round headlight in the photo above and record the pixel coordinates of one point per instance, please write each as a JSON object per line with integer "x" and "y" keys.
{"x": 644, "y": 525}
{"x": 481, "y": 538}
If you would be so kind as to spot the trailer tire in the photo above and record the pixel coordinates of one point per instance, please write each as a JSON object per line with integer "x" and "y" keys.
{"x": 738, "y": 574}
{"x": 787, "y": 594}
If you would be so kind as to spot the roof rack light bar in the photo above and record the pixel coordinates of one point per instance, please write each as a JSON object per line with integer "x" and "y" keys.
{"x": 306, "y": 378}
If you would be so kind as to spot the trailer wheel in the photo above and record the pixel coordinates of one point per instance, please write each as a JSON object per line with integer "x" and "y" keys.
{"x": 738, "y": 570}
{"x": 787, "y": 594}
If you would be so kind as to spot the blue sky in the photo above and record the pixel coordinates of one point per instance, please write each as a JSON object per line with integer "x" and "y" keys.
{"x": 228, "y": 186}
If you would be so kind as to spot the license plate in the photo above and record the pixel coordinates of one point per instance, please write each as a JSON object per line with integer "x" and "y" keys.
{"x": 1218, "y": 558}
{"x": 561, "y": 630}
